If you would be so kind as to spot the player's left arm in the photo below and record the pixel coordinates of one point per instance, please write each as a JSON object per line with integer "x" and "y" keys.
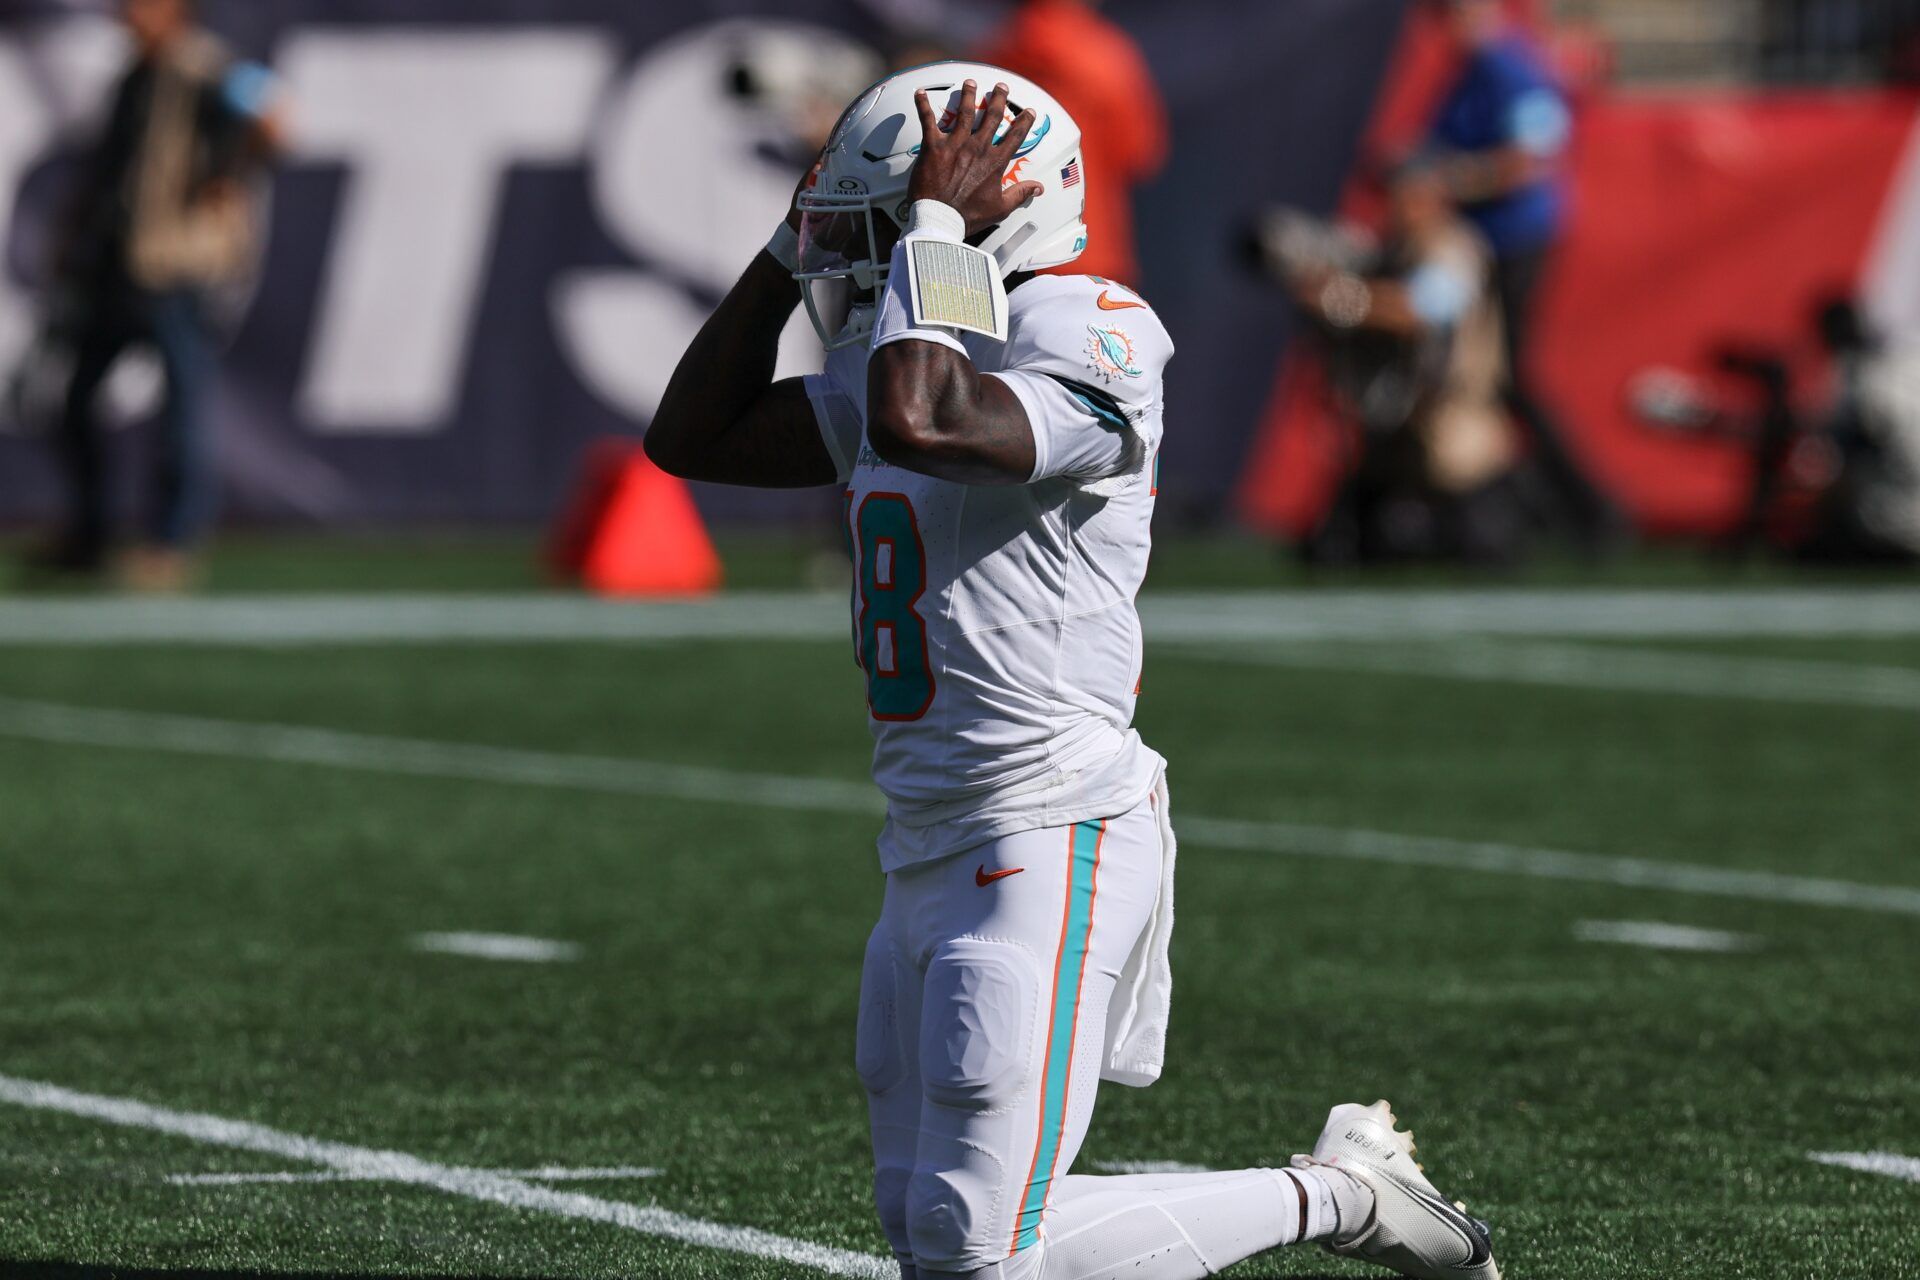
{"x": 928, "y": 409}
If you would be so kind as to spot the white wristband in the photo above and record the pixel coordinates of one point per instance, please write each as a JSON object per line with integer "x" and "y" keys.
{"x": 933, "y": 220}
{"x": 784, "y": 248}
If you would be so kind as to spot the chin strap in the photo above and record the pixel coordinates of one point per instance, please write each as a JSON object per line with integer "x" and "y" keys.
{"x": 939, "y": 285}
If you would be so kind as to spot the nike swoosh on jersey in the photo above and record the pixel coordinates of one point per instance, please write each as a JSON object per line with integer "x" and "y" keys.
{"x": 1106, "y": 303}
{"x": 984, "y": 877}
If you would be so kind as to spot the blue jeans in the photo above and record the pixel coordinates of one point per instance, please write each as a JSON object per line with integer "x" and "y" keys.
{"x": 182, "y": 494}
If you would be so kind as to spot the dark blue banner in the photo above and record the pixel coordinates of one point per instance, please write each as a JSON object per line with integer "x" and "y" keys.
{"x": 502, "y": 221}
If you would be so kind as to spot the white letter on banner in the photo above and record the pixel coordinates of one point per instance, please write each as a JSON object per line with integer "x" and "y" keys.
{"x": 683, "y": 178}
{"x": 428, "y": 125}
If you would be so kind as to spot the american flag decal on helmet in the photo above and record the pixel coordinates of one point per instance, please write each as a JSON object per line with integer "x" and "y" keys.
{"x": 1070, "y": 176}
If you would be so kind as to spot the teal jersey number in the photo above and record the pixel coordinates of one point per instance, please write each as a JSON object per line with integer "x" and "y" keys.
{"x": 891, "y": 633}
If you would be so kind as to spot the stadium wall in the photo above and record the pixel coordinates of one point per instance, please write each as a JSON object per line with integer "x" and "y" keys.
{"x": 501, "y": 222}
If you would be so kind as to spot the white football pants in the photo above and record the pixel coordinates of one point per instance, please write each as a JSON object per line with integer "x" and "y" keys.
{"x": 982, "y": 1032}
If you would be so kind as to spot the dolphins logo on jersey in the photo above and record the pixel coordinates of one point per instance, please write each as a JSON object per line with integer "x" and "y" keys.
{"x": 1111, "y": 352}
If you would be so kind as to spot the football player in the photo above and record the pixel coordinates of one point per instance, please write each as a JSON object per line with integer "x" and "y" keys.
{"x": 995, "y": 433}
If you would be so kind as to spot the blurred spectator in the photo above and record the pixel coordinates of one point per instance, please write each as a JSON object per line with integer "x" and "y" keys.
{"x": 1415, "y": 356}
{"x": 1098, "y": 74}
{"x": 161, "y": 217}
{"x": 1504, "y": 127}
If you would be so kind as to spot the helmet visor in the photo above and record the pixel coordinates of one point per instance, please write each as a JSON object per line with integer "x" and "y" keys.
{"x": 832, "y": 240}
{"x": 845, "y": 242}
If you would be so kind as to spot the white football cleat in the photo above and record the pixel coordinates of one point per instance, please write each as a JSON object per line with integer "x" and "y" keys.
{"x": 1413, "y": 1228}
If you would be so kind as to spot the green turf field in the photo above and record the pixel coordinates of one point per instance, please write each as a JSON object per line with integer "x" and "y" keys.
{"x": 210, "y": 917}
{"x": 473, "y": 560}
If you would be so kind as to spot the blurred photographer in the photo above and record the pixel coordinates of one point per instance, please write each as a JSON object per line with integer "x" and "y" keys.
{"x": 1415, "y": 357}
{"x": 1502, "y": 134}
{"x": 164, "y": 215}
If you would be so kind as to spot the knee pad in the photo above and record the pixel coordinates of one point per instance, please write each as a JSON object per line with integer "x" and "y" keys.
{"x": 950, "y": 1216}
{"x": 890, "y": 1198}
{"x": 979, "y": 1004}
{"x": 953, "y": 1238}
{"x": 879, "y": 1053}
{"x": 976, "y": 1023}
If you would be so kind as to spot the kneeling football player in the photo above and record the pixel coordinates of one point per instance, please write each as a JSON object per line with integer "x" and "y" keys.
{"x": 995, "y": 433}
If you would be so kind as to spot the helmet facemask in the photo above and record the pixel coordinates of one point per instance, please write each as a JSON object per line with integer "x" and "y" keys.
{"x": 846, "y": 248}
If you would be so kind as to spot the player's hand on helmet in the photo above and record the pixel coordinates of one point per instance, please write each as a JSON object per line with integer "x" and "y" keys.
{"x": 967, "y": 167}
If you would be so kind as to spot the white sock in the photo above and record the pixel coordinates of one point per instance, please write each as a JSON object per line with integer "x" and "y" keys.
{"x": 1170, "y": 1226}
{"x": 1338, "y": 1203}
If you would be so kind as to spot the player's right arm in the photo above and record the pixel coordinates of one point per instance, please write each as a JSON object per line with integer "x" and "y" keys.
{"x": 723, "y": 417}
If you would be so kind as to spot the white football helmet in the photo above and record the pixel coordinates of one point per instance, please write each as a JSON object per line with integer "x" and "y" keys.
{"x": 865, "y": 168}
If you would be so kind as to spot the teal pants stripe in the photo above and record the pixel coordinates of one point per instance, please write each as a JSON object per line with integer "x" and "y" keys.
{"x": 1069, "y": 974}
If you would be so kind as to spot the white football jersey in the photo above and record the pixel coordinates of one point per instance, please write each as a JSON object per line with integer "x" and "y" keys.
{"x": 996, "y": 623}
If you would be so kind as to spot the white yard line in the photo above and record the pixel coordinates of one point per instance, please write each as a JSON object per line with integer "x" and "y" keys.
{"x": 146, "y": 731}
{"x": 298, "y": 744}
{"x": 1526, "y": 611}
{"x": 473, "y": 1184}
{"x": 1607, "y": 667}
{"x": 549, "y": 1173}
{"x": 418, "y": 619}
{"x": 497, "y": 946}
{"x": 1362, "y": 845}
{"x": 1663, "y": 937}
{"x": 1884, "y": 1163}
{"x": 561, "y": 1173}
{"x": 1169, "y": 618}
{"x": 1148, "y": 1166}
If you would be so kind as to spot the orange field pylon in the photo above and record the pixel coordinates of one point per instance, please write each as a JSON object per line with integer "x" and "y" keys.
{"x": 633, "y": 530}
